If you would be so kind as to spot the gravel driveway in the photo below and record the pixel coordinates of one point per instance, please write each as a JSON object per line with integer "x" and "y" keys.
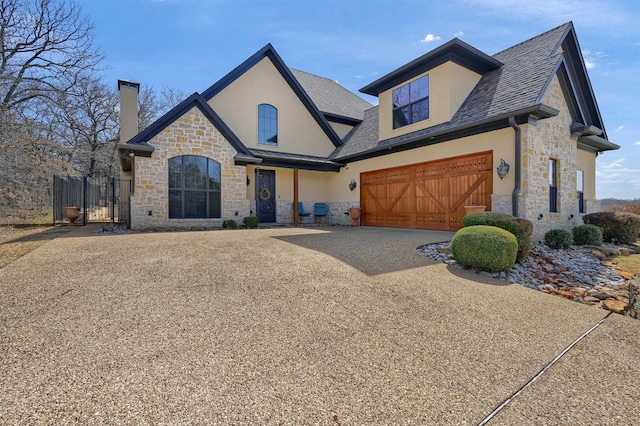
{"x": 334, "y": 325}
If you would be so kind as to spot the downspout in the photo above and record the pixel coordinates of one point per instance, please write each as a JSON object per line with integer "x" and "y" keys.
{"x": 518, "y": 148}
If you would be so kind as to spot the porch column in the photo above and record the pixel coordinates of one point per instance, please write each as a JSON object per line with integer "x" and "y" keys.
{"x": 296, "y": 217}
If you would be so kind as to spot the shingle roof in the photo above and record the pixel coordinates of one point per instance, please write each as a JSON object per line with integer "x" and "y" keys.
{"x": 514, "y": 88}
{"x": 518, "y": 83}
{"x": 285, "y": 159}
{"x": 330, "y": 97}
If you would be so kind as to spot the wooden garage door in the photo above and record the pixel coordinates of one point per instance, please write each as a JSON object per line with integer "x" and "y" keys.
{"x": 428, "y": 195}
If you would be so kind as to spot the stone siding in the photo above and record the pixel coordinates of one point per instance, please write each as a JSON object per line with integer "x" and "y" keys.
{"x": 549, "y": 138}
{"x": 337, "y": 213}
{"x": 191, "y": 134}
{"x": 501, "y": 203}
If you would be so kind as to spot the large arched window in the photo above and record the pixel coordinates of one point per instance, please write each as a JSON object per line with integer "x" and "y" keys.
{"x": 194, "y": 187}
{"x": 267, "y": 125}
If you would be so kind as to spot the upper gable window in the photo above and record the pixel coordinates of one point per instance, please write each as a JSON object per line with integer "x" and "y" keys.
{"x": 267, "y": 125}
{"x": 411, "y": 102}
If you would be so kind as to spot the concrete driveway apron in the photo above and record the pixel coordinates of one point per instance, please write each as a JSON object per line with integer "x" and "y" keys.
{"x": 332, "y": 325}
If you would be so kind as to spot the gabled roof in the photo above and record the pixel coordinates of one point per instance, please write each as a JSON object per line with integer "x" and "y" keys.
{"x": 455, "y": 50}
{"x": 515, "y": 89}
{"x": 140, "y": 145}
{"x": 333, "y": 100}
{"x": 269, "y": 52}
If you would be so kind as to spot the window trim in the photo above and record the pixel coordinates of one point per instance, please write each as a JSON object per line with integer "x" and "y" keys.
{"x": 553, "y": 185}
{"x": 183, "y": 190}
{"x": 580, "y": 190}
{"x": 410, "y": 103}
{"x": 270, "y": 119}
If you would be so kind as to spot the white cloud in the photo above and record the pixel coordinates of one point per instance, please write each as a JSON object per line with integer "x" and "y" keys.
{"x": 430, "y": 38}
{"x": 591, "y": 59}
{"x": 616, "y": 173}
{"x": 619, "y": 128}
{"x": 637, "y": 143}
{"x": 458, "y": 34}
{"x": 600, "y": 14}
{"x": 358, "y": 76}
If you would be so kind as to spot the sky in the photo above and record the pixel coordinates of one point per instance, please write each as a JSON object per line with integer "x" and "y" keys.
{"x": 189, "y": 44}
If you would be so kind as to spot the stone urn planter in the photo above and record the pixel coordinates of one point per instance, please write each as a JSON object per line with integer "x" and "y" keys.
{"x": 355, "y": 213}
{"x": 474, "y": 209}
{"x": 72, "y": 213}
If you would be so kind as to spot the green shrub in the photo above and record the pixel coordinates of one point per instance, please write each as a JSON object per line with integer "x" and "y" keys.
{"x": 618, "y": 227}
{"x": 488, "y": 248}
{"x": 522, "y": 229}
{"x": 250, "y": 221}
{"x": 587, "y": 234}
{"x": 558, "y": 239}
{"x": 229, "y": 224}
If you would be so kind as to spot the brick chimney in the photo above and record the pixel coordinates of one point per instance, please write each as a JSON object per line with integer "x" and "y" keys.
{"x": 128, "y": 109}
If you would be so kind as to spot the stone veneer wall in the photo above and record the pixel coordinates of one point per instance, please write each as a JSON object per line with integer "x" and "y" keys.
{"x": 550, "y": 138}
{"x": 191, "y": 134}
{"x": 337, "y": 213}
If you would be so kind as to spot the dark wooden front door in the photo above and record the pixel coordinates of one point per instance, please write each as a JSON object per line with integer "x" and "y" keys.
{"x": 265, "y": 195}
{"x": 428, "y": 195}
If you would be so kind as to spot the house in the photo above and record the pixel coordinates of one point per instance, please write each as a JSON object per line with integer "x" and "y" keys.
{"x": 517, "y": 132}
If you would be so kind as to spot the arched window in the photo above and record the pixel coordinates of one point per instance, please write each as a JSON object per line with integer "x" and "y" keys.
{"x": 267, "y": 125}
{"x": 194, "y": 187}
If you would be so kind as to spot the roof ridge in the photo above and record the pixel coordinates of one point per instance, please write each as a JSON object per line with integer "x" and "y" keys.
{"x": 566, "y": 24}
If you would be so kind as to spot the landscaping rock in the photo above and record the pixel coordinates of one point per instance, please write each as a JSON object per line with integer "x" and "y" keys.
{"x": 616, "y": 306}
{"x": 580, "y": 273}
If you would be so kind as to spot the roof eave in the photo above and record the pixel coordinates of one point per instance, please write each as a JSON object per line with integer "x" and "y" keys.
{"x": 303, "y": 165}
{"x": 128, "y": 151}
{"x": 522, "y": 116}
{"x": 245, "y": 160}
{"x": 455, "y": 50}
{"x": 597, "y": 143}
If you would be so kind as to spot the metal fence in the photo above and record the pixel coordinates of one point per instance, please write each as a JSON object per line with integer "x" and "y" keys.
{"x": 99, "y": 198}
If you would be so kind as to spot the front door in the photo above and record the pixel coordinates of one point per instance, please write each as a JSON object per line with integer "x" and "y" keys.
{"x": 265, "y": 195}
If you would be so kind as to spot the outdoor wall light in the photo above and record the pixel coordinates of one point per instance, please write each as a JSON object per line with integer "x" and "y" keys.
{"x": 248, "y": 181}
{"x": 540, "y": 216}
{"x": 503, "y": 169}
{"x": 352, "y": 184}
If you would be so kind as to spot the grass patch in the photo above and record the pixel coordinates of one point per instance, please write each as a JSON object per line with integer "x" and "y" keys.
{"x": 630, "y": 264}
{"x": 35, "y": 220}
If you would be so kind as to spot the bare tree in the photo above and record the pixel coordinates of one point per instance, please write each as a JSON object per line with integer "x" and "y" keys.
{"x": 84, "y": 120}
{"x": 45, "y": 46}
{"x": 151, "y": 106}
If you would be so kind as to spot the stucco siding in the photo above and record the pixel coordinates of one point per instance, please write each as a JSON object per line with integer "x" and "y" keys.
{"x": 499, "y": 141}
{"x": 237, "y": 105}
{"x": 449, "y": 85}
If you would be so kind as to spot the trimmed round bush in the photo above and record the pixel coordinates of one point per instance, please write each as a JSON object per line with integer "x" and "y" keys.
{"x": 587, "y": 235}
{"x": 618, "y": 227}
{"x": 558, "y": 239}
{"x": 251, "y": 221}
{"x": 229, "y": 224}
{"x": 522, "y": 229}
{"x": 487, "y": 248}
